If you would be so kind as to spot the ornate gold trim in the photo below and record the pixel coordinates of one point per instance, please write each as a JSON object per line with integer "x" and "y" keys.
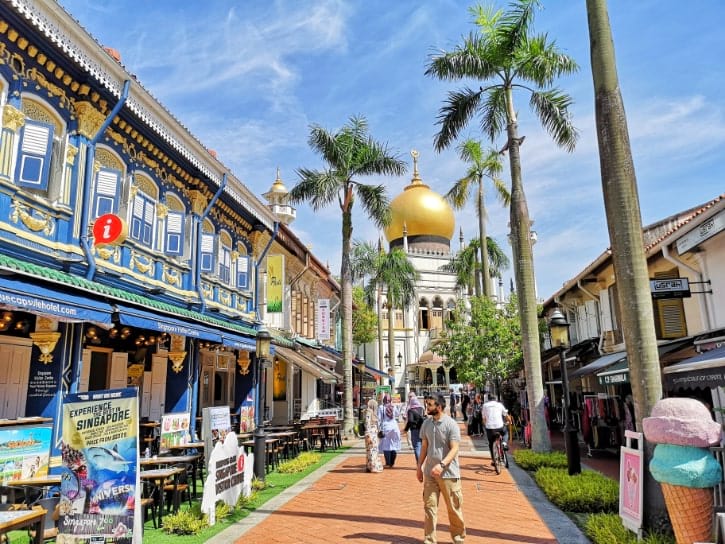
{"x": 137, "y": 263}
{"x": 106, "y": 253}
{"x": 45, "y": 222}
{"x": 198, "y": 202}
{"x": 207, "y": 290}
{"x": 162, "y": 210}
{"x": 172, "y": 276}
{"x": 89, "y": 119}
{"x": 13, "y": 118}
{"x": 46, "y": 342}
{"x": 70, "y": 156}
{"x": 177, "y": 360}
{"x": 225, "y": 297}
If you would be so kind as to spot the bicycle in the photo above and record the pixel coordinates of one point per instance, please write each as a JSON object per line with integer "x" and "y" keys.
{"x": 499, "y": 454}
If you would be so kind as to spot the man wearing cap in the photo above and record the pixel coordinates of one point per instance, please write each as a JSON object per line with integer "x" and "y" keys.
{"x": 439, "y": 471}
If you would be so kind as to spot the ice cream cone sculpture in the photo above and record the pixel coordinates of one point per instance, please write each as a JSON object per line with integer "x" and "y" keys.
{"x": 682, "y": 463}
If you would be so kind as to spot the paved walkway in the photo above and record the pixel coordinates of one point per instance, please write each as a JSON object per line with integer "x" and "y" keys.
{"x": 341, "y": 503}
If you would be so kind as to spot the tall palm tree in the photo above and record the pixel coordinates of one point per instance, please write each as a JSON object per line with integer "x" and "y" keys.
{"x": 350, "y": 153}
{"x": 465, "y": 263}
{"x": 497, "y": 259}
{"x": 363, "y": 262}
{"x": 396, "y": 272}
{"x": 506, "y": 57}
{"x": 481, "y": 165}
{"x": 619, "y": 185}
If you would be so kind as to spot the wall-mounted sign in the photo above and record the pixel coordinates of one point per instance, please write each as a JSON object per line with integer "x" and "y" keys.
{"x": 706, "y": 229}
{"x": 174, "y": 430}
{"x": 323, "y": 319}
{"x": 109, "y": 229}
{"x": 275, "y": 283}
{"x": 670, "y": 288}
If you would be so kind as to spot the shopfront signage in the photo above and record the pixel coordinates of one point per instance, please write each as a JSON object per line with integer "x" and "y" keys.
{"x": 109, "y": 229}
{"x": 323, "y": 319}
{"x": 707, "y": 229}
{"x": 614, "y": 379}
{"x": 670, "y": 288}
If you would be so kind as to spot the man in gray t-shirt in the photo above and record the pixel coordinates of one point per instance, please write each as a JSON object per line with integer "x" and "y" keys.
{"x": 439, "y": 471}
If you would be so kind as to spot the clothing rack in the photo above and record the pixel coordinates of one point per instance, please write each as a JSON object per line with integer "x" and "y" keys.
{"x": 601, "y": 422}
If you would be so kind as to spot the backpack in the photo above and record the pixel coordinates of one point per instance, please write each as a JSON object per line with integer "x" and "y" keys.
{"x": 416, "y": 419}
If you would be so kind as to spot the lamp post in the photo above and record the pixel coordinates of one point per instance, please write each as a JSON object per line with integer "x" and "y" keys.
{"x": 400, "y": 359}
{"x": 559, "y": 334}
{"x": 264, "y": 340}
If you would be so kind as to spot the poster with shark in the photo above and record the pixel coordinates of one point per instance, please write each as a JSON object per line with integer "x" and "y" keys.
{"x": 99, "y": 478}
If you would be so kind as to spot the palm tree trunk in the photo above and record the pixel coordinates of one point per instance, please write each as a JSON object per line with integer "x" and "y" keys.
{"x": 346, "y": 295}
{"x": 391, "y": 336}
{"x": 476, "y": 275}
{"x": 486, "y": 275}
{"x": 525, "y": 287}
{"x": 621, "y": 202}
{"x": 380, "y": 326}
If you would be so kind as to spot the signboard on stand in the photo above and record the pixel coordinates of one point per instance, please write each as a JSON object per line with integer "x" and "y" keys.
{"x": 24, "y": 452}
{"x": 216, "y": 423}
{"x": 174, "y": 430}
{"x": 246, "y": 414}
{"x": 99, "y": 478}
{"x": 631, "y": 482}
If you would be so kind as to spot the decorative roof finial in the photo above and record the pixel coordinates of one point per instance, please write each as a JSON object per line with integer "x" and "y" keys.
{"x": 416, "y": 177}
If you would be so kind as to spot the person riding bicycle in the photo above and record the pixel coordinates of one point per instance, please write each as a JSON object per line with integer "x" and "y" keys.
{"x": 493, "y": 419}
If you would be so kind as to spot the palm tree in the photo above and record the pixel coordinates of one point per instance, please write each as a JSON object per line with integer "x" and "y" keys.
{"x": 363, "y": 262}
{"x": 481, "y": 165}
{"x": 464, "y": 265}
{"x": 619, "y": 185}
{"x": 396, "y": 272}
{"x": 497, "y": 259}
{"x": 350, "y": 153}
{"x": 506, "y": 56}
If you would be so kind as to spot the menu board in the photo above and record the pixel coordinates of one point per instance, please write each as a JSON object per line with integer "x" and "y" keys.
{"x": 246, "y": 414}
{"x": 24, "y": 452}
{"x": 174, "y": 430}
{"x": 216, "y": 423}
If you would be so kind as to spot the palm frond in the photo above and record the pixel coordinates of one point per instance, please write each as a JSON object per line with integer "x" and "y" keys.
{"x": 512, "y": 28}
{"x": 362, "y": 259}
{"x": 319, "y": 188}
{"x": 327, "y": 145}
{"x": 455, "y": 114}
{"x": 498, "y": 261}
{"x": 375, "y": 202}
{"x": 493, "y": 112}
{"x": 552, "y": 109}
{"x": 375, "y": 158}
{"x": 457, "y": 196}
{"x": 470, "y": 151}
{"x": 468, "y": 60}
{"x": 541, "y": 62}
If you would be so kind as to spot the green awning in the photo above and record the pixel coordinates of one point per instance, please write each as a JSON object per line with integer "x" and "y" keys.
{"x": 615, "y": 374}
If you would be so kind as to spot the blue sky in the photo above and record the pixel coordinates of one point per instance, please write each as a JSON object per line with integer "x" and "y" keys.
{"x": 248, "y": 78}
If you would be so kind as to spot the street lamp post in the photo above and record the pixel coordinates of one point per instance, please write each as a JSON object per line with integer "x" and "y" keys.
{"x": 559, "y": 334}
{"x": 264, "y": 340}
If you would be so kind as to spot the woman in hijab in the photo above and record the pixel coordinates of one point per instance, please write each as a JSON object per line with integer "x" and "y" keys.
{"x": 373, "y": 463}
{"x": 390, "y": 442}
{"x": 414, "y": 421}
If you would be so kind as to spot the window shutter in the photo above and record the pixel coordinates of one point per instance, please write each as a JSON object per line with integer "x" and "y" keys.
{"x": 225, "y": 264}
{"x": 36, "y": 145}
{"x": 670, "y": 312}
{"x": 207, "y": 252}
{"x": 606, "y": 310}
{"x": 142, "y": 219}
{"x": 174, "y": 233}
{"x": 108, "y": 183}
{"x": 243, "y": 272}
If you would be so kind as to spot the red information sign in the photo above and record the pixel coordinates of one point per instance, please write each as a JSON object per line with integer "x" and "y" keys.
{"x": 109, "y": 229}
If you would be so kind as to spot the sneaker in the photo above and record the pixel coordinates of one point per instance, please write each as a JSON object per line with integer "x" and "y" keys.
{"x": 505, "y": 446}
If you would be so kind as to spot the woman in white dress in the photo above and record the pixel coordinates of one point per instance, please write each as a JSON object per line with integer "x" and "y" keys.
{"x": 373, "y": 463}
{"x": 390, "y": 442}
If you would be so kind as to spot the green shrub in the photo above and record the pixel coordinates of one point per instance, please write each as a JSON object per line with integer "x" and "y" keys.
{"x": 532, "y": 461}
{"x": 607, "y": 528}
{"x": 243, "y": 502}
{"x": 300, "y": 463}
{"x": 585, "y": 492}
{"x": 184, "y": 522}
{"x": 222, "y": 510}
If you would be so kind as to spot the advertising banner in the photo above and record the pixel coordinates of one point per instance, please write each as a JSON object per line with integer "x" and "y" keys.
{"x": 24, "y": 452}
{"x": 631, "y": 482}
{"x": 323, "y": 319}
{"x": 246, "y": 414}
{"x": 174, "y": 430}
{"x": 99, "y": 478}
{"x": 216, "y": 423}
{"x": 229, "y": 475}
{"x": 275, "y": 283}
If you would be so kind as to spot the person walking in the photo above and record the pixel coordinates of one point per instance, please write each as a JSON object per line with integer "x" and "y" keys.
{"x": 453, "y": 403}
{"x": 414, "y": 421}
{"x": 465, "y": 402}
{"x": 493, "y": 419}
{"x": 476, "y": 426}
{"x": 439, "y": 471}
{"x": 390, "y": 440}
{"x": 373, "y": 462}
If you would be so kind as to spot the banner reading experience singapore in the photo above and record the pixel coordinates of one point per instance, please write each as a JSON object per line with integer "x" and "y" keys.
{"x": 99, "y": 472}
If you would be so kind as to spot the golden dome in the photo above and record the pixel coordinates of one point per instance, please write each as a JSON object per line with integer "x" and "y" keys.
{"x": 421, "y": 211}
{"x": 277, "y": 187}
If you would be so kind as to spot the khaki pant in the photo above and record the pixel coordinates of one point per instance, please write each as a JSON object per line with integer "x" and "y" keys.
{"x": 453, "y": 497}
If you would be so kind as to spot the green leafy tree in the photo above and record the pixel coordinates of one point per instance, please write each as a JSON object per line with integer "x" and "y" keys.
{"x": 363, "y": 262}
{"x": 364, "y": 319}
{"x": 619, "y": 185}
{"x": 481, "y": 165}
{"x": 485, "y": 347}
{"x": 350, "y": 153}
{"x": 465, "y": 262}
{"x": 508, "y": 58}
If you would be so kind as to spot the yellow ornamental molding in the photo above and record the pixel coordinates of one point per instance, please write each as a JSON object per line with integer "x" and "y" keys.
{"x": 108, "y": 252}
{"x": 235, "y": 255}
{"x": 70, "y": 156}
{"x": 137, "y": 262}
{"x": 89, "y": 119}
{"x": 198, "y": 202}
{"x": 53, "y": 90}
{"x": 207, "y": 290}
{"x": 172, "y": 277}
{"x": 46, "y": 342}
{"x": 13, "y": 118}
{"x": 177, "y": 360}
{"x": 225, "y": 298}
{"x": 43, "y": 222}
{"x": 134, "y": 190}
{"x": 162, "y": 210}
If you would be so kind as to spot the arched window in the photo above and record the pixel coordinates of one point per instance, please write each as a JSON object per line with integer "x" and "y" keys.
{"x": 175, "y": 226}
{"x": 225, "y": 257}
{"x": 242, "y": 267}
{"x": 40, "y": 145}
{"x": 207, "y": 247}
{"x": 144, "y": 195}
{"x": 107, "y": 183}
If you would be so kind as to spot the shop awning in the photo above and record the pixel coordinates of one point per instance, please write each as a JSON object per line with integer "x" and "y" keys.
{"x": 240, "y": 342}
{"x": 619, "y": 372}
{"x": 60, "y": 305}
{"x": 598, "y": 364}
{"x": 704, "y": 370}
{"x": 303, "y": 363}
{"x": 136, "y": 317}
{"x": 375, "y": 373}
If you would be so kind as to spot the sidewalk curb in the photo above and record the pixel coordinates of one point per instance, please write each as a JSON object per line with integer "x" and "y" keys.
{"x": 564, "y": 529}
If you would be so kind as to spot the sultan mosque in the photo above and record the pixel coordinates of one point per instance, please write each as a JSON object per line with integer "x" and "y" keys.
{"x": 423, "y": 226}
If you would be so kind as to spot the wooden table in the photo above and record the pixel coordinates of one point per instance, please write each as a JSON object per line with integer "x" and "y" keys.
{"x": 270, "y": 453}
{"x": 288, "y": 437}
{"x": 165, "y": 460}
{"x": 147, "y": 435}
{"x": 24, "y": 421}
{"x": 12, "y": 520}
{"x": 50, "y": 480}
{"x": 187, "y": 446}
{"x": 157, "y": 476}
{"x": 326, "y": 432}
